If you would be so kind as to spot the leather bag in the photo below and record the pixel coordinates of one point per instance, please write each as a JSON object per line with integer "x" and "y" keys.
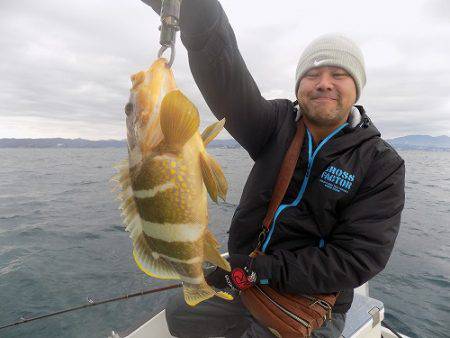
{"x": 286, "y": 315}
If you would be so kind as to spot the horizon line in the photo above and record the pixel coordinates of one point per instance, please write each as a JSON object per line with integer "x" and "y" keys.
{"x": 124, "y": 139}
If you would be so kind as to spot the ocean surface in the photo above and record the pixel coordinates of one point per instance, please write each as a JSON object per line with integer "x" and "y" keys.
{"x": 62, "y": 243}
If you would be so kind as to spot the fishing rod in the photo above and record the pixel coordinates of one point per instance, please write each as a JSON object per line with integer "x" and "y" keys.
{"x": 94, "y": 303}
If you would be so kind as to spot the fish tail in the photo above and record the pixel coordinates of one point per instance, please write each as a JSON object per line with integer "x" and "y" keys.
{"x": 196, "y": 293}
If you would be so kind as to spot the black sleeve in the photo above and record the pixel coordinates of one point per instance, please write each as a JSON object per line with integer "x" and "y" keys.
{"x": 358, "y": 248}
{"x": 222, "y": 76}
{"x": 155, "y": 4}
{"x": 196, "y": 16}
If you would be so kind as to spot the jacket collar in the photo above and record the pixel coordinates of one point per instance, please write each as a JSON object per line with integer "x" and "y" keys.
{"x": 359, "y": 129}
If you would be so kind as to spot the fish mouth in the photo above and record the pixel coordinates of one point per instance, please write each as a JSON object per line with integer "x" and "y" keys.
{"x": 149, "y": 87}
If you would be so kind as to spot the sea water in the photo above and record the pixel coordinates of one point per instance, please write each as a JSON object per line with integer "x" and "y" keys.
{"x": 62, "y": 243}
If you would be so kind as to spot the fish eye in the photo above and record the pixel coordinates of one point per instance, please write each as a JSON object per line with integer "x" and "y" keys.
{"x": 128, "y": 108}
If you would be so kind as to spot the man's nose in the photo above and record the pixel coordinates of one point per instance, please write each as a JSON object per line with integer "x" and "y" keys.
{"x": 325, "y": 82}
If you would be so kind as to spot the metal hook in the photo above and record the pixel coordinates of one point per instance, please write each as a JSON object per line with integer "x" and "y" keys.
{"x": 172, "y": 53}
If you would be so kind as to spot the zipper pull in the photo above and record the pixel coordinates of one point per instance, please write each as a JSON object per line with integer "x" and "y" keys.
{"x": 366, "y": 122}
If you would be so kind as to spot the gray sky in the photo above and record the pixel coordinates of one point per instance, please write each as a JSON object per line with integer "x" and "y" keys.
{"x": 65, "y": 65}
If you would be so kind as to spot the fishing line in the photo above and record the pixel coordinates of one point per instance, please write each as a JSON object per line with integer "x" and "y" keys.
{"x": 94, "y": 303}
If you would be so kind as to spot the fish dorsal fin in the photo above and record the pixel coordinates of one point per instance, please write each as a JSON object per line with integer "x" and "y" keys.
{"x": 212, "y": 131}
{"x": 211, "y": 252}
{"x": 213, "y": 177}
{"x": 179, "y": 119}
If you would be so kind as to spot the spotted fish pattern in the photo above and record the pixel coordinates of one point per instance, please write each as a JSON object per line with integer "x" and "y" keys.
{"x": 164, "y": 184}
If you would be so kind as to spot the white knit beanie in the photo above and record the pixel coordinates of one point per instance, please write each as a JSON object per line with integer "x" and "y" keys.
{"x": 333, "y": 50}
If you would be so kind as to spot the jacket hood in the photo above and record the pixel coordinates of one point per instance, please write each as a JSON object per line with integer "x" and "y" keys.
{"x": 360, "y": 129}
{"x": 359, "y": 126}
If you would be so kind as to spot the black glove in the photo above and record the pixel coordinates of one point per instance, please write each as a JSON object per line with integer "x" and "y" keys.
{"x": 241, "y": 276}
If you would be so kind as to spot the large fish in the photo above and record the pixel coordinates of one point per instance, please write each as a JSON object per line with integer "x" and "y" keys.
{"x": 165, "y": 181}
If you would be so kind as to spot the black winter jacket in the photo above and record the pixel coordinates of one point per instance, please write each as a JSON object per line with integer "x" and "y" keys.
{"x": 337, "y": 225}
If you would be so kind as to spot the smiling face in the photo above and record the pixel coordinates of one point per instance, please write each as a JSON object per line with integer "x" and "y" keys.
{"x": 326, "y": 95}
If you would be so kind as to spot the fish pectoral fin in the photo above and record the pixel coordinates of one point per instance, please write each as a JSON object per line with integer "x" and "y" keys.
{"x": 211, "y": 252}
{"x": 212, "y": 131}
{"x": 179, "y": 119}
{"x": 149, "y": 262}
{"x": 197, "y": 293}
{"x": 213, "y": 177}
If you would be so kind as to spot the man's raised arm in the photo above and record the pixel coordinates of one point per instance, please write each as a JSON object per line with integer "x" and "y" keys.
{"x": 221, "y": 73}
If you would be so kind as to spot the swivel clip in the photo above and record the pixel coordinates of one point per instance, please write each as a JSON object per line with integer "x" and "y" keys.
{"x": 170, "y": 17}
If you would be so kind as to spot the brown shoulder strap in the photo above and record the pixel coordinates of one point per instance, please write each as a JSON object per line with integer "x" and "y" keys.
{"x": 286, "y": 172}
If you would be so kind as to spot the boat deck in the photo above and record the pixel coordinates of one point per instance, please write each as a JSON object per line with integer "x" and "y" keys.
{"x": 363, "y": 320}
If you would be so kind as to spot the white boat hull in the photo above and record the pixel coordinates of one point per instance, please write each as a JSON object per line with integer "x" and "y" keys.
{"x": 363, "y": 321}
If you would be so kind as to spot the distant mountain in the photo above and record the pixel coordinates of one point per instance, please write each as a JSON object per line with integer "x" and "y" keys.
{"x": 424, "y": 142}
{"x": 59, "y": 143}
{"x": 82, "y": 143}
{"x": 420, "y": 142}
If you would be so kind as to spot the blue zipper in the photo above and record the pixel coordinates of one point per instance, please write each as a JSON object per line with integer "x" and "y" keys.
{"x": 311, "y": 157}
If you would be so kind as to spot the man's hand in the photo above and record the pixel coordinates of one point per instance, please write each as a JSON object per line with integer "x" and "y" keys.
{"x": 241, "y": 276}
{"x": 217, "y": 278}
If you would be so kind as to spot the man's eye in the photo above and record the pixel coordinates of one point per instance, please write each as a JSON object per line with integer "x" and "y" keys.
{"x": 312, "y": 75}
{"x": 339, "y": 75}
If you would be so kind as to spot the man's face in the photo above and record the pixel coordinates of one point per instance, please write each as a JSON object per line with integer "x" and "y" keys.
{"x": 326, "y": 95}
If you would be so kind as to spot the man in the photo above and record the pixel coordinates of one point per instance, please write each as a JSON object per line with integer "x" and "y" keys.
{"x": 340, "y": 216}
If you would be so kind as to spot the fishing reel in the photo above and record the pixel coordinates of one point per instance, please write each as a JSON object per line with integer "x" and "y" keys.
{"x": 170, "y": 17}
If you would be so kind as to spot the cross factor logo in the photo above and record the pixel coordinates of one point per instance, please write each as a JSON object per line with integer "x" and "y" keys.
{"x": 337, "y": 179}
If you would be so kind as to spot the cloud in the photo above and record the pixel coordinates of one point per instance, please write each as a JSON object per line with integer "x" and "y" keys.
{"x": 66, "y": 65}
{"x": 438, "y": 9}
